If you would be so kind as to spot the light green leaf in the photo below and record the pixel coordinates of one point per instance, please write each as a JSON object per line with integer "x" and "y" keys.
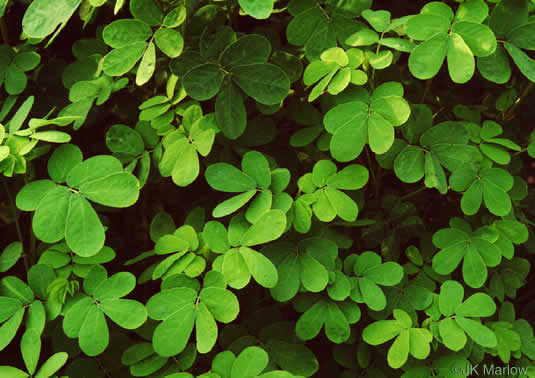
{"x": 461, "y": 62}
{"x": 427, "y": 58}
{"x": 399, "y": 351}
{"x": 232, "y": 204}
{"x": 477, "y": 332}
{"x": 268, "y": 228}
{"x": 169, "y": 41}
{"x": 42, "y": 17}
{"x": 147, "y": 65}
{"x": 250, "y": 362}
{"x": 221, "y": 303}
{"x": 50, "y": 217}
{"x": 259, "y": 9}
{"x": 477, "y": 305}
{"x": 119, "y": 61}
{"x": 452, "y": 335}
{"x": 93, "y": 337}
{"x": 62, "y": 160}
{"x": 127, "y": 313}
{"x": 381, "y": 331}
{"x": 227, "y": 178}
{"x": 52, "y": 365}
{"x": 256, "y": 166}
{"x": 84, "y": 232}
{"x": 261, "y": 268}
{"x": 30, "y": 347}
{"x": 205, "y": 329}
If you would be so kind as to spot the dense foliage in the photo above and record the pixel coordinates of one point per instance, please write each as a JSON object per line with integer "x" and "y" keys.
{"x": 235, "y": 189}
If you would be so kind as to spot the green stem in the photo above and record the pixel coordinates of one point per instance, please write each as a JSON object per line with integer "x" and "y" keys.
{"x": 510, "y": 113}
{"x": 374, "y": 179}
{"x": 25, "y": 256}
{"x": 413, "y": 193}
{"x": 521, "y": 151}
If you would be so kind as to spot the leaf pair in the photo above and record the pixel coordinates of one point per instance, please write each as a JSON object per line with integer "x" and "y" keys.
{"x": 356, "y": 123}
{"x": 323, "y": 190}
{"x": 128, "y": 38}
{"x": 334, "y": 71}
{"x": 489, "y": 185}
{"x": 13, "y": 67}
{"x": 458, "y": 317}
{"x": 446, "y": 144}
{"x": 181, "y": 246}
{"x": 254, "y": 178}
{"x": 241, "y": 64}
{"x": 84, "y": 319}
{"x": 303, "y": 266}
{"x": 336, "y": 317}
{"x": 509, "y": 21}
{"x": 369, "y": 272}
{"x": 460, "y": 41}
{"x": 180, "y": 159}
{"x": 59, "y": 258}
{"x": 476, "y": 249}
{"x": 64, "y": 212}
{"x": 408, "y": 339}
{"x": 180, "y": 308}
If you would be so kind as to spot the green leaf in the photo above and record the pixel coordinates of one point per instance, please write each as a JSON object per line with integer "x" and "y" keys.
{"x": 427, "y": 58}
{"x": 42, "y": 17}
{"x": 230, "y": 111}
{"x": 259, "y": 9}
{"x": 9, "y": 328}
{"x": 30, "y": 347}
{"x": 10, "y": 256}
{"x": 147, "y": 11}
{"x": 495, "y": 67}
{"x": 372, "y": 294}
{"x": 203, "y": 82}
{"x": 266, "y": 83}
{"x": 269, "y": 227}
{"x": 314, "y": 276}
{"x": 169, "y": 41}
{"x": 381, "y": 331}
{"x": 261, "y": 268}
{"x": 426, "y": 25}
{"x": 50, "y": 217}
{"x": 379, "y": 20}
{"x": 232, "y": 204}
{"x": 227, "y": 178}
{"x": 399, "y": 351}
{"x": 452, "y": 335}
{"x": 477, "y": 305}
{"x": 479, "y": 38}
{"x": 472, "y": 10}
{"x": 256, "y": 166}
{"x": 52, "y": 136}
{"x": 221, "y": 303}
{"x": 63, "y": 159}
{"x": 118, "y": 285}
{"x": 171, "y": 336}
{"x": 147, "y": 65}
{"x": 450, "y": 297}
{"x": 52, "y": 365}
{"x": 127, "y": 313}
{"x": 461, "y": 62}
{"x": 477, "y": 332}
{"x": 12, "y": 372}
{"x": 249, "y": 49}
{"x": 523, "y": 36}
{"x": 121, "y": 60}
{"x": 250, "y": 362}
{"x": 123, "y": 32}
{"x": 84, "y": 232}
{"x": 525, "y": 64}
{"x": 94, "y": 337}
{"x": 205, "y": 329}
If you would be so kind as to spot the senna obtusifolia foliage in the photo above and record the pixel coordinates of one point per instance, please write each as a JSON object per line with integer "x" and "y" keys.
{"x": 261, "y": 188}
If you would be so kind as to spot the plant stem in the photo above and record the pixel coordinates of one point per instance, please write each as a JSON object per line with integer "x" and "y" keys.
{"x": 25, "y": 255}
{"x": 374, "y": 179}
{"x": 510, "y": 113}
{"x": 413, "y": 193}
